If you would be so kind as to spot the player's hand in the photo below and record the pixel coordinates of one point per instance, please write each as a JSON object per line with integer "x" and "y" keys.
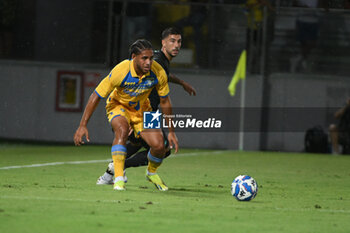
{"x": 78, "y": 136}
{"x": 189, "y": 89}
{"x": 173, "y": 141}
{"x": 130, "y": 131}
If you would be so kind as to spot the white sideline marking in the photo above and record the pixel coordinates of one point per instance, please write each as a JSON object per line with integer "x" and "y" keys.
{"x": 99, "y": 161}
{"x": 119, "y": 201}
{"x": 54, "y": 164}
{"x": 58, "y": 199}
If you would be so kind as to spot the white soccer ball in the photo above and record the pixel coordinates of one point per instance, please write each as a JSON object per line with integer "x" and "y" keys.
{"x": 244, "y": 188}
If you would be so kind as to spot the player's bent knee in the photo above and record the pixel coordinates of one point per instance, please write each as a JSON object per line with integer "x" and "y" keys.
{"x": 159, "y": 148}
{"x": 121, "y": 134}
{"x": 121, "y": 137}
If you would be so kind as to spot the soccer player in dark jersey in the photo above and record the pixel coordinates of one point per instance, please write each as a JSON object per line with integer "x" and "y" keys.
{"x": 171, "y": 44}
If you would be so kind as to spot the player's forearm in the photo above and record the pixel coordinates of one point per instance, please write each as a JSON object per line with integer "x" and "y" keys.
{"x": 165, "y": 105}
{"x": 89, "y": 109}
{"x": 174, "y": 79}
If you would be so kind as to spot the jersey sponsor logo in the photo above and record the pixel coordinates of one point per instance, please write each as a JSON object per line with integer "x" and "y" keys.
{"x": 129, "y": 83}
{"x": 138, "y": 89}
{"x": 134, "y": 92}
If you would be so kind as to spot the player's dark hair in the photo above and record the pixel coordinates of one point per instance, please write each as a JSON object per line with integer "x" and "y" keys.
{"x": 138, "y": 46}
{"x": 170, "y": 31}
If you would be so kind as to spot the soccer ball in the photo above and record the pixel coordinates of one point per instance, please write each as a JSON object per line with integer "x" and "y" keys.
{"x": 244, "y": 188}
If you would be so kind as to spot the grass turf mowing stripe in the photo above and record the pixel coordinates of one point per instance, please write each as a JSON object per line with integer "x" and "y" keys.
{"x": 95, "y": 161}
{"x": 118, "y": 201}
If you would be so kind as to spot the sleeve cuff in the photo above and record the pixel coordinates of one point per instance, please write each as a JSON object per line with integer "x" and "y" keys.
{"x": 164, "y": 96}
{"x": 99, "y": 95}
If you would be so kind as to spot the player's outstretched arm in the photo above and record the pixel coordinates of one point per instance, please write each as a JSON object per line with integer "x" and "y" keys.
{"x": 82, "y": 129}
{"x": 166, "y": 107}
{"x": 187, "y": 87}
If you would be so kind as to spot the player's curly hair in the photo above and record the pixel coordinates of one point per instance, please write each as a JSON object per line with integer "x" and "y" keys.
{"x": 138, "y": 46}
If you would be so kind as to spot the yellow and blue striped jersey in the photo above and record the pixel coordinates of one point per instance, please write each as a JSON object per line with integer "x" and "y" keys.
{"x": 124, "y": 86}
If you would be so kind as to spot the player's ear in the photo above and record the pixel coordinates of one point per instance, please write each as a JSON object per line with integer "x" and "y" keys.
{"x": 133, "y": 56}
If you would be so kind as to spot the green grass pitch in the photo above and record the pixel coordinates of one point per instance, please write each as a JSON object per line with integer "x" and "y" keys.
{"x": 297, "y": 193}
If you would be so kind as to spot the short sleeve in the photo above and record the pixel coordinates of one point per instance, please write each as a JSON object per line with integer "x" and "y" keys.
{"x": 109, "y": 83}
{"x": 162, "y": 86}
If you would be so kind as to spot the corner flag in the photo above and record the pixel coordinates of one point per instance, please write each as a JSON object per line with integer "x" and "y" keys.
{"x": 239, "y": 73}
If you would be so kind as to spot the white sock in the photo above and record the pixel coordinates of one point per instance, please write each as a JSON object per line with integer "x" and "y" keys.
{"x": 119, "y": 178}
{"x": 150, "y": 173}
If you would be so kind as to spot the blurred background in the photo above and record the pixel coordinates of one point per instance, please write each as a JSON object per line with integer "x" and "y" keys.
{"x": 53, "y": 54}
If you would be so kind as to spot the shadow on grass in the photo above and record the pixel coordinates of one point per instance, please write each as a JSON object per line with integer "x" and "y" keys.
{"x": 195, "y": 192}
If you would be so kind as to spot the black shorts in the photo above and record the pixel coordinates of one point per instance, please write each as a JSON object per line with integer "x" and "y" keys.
{"x": 140, "y": 141}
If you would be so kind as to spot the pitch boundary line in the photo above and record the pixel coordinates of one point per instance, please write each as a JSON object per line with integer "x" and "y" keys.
{"x": 53, "y": 164}
{"x": 57, "y": 199}
{"x": 99, "y": 161}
